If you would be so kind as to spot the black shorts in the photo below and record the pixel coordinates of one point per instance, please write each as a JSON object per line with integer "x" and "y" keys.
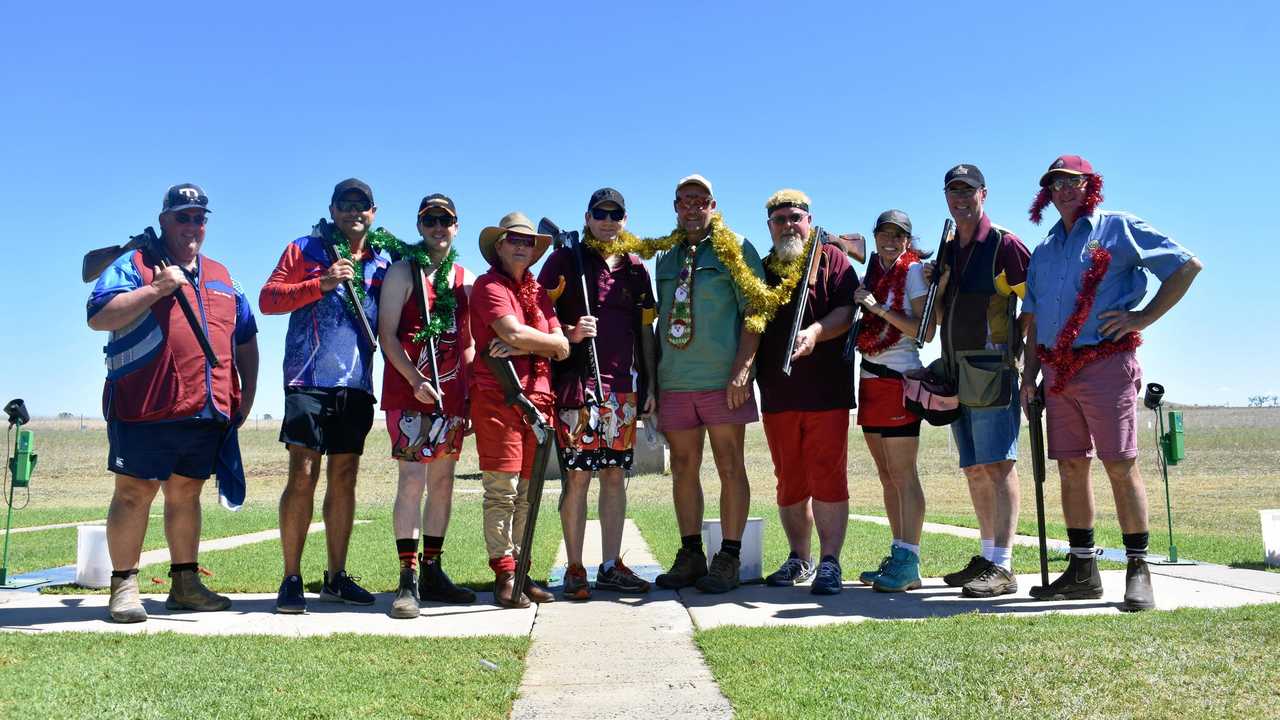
{"x": 156, "y": 450}
{"x": 911, "y": 429}
{"x": 331, "y": 421}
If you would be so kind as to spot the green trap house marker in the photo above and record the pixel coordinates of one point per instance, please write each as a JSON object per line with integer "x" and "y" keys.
{"x": 19, "y": 469}
{"x": 1170, "y": 450}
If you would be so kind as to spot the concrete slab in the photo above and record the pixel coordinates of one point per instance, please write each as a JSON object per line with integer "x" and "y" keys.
{"x": 760, "y": 606}
{"x": 254, "y": 614}
{"x": 1239, "y": 578}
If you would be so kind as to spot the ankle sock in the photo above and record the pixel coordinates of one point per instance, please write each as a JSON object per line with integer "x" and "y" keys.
{"x": 731, "y": 547}
{"x": 692, "y": 543}
{"x": 407, "y": 549}
{"x": 179, "y": 567}
{"x": 1081, "y": 540}
{"x": 1002, "y": 556}
{"x": 124, "y": 574}
{"x": 897, "y": 542}
{"x": 607, "y": 565}
{"x": 432, "y": 546}
{"x": 914, "y": 549}
{"x": 1135, "y": 544}
{"x": 988, "y": 544}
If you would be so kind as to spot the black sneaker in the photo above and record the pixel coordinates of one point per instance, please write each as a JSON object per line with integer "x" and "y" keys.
{"x": 992, "y": 582}
{"x": 343, "y": 588}
{"x": 795, "y": 570}
{"x": 1138, "y": 595}
{"x": 1080, "y": 581}
{"x": 290, "y": 599}
{"x": 405, "y": 605}
{"x": 960, "y": 578}
{"x": 621, "y": 579}
{"x": 434, "y": 585}
{"x": 723, "y": 575}
{"x": 685, "y": 571}
{"x": 828, "y": 579}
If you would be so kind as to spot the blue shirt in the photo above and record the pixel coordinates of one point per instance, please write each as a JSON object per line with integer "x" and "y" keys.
{"x": 1059, "y": 262}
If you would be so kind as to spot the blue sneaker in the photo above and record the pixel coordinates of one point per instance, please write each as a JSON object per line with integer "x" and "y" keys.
{"x": 828, "y": 579}
{"x": 343, "y": 588}
{"x": 290, "y": 599}
{"x": 868, "y": 577}
{"x": 902, "y": 574}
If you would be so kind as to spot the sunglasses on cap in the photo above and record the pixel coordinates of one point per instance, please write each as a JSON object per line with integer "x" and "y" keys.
{"x": 197, "y": 218}
{"x": 790, "y": 219}
{"x": 615, "y": 215}
{"x": 430, "y": 221}
{"x": 1063, "y": 182}
{"x": 353, "y": 206}
{"x": 519, "y": 239}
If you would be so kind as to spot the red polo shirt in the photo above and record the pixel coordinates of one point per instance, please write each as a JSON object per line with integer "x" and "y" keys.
{"x": 494, "y": 296}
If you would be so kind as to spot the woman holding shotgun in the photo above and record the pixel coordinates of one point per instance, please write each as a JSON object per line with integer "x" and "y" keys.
{"x": 893, "y": 298}
{"x": 426, "y": 342}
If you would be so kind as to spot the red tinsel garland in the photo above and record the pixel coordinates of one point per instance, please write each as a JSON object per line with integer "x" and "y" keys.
{"x": 870, "y": 341}
{"x": 1092, "y": 198}
{"x": 527, "y": 297}
{"x": 1067, "y": 361}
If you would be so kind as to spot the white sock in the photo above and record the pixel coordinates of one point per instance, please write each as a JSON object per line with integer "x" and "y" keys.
{"x": 1002, "y": 556}
{"x": 915, "y": 549}
{"x": 606, "y": 566}
{"x": 897, "y": 542}
{"x": 988, "y": 546}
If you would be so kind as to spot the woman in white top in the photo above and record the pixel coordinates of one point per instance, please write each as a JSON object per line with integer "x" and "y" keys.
{"x": 892, "y": 297}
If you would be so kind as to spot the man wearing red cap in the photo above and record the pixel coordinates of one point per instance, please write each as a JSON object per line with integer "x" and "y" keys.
{"x": 1083, "y": 285}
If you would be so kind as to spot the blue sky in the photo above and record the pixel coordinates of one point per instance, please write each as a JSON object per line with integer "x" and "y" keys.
{"x": 532, "y": 106}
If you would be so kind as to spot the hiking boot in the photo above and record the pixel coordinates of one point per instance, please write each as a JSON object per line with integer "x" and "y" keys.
{"x": 902, "y": 573}
{"x": 290, "y": 599}
{"x": 186, "y": 592}
{"x": 827, "y": 580}
{"x": 576, "y": 586}
{"x": 960, "y": 578}
{"x": 685, "y": 571}
{"x": 793, "y": 571}
{"x": 504, "y": 589}
{"x": 1080, "y": 581}
{"x": 621, "y": 579}
{"x": 537, "y": 593}
{"x": 993, "y": 581}
{"x": 868, "y": 577}
{"x": 343, "y": 588}
{"x": 126, "y": 605}
{"x": 405, "y": 605}
{"x": 723, "y": 575}
{"x": 435, "y": 586}
{"x": 1137, "y": 587}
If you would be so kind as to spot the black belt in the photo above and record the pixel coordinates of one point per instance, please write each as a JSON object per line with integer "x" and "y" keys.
{"x": 881, "y": 371}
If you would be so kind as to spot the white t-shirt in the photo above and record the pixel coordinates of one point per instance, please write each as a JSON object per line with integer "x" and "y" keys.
{"x": 902, "y": 355}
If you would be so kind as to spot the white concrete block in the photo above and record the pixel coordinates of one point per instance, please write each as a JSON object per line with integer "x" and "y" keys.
{"x": 1271, "y": 537}
{"x": 752, "y": 546}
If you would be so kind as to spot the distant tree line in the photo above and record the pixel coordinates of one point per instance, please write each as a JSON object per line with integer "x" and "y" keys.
{"x": 1264, "y": 401}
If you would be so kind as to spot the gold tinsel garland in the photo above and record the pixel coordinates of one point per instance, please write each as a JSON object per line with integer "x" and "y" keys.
{"x": 764, "y": 299}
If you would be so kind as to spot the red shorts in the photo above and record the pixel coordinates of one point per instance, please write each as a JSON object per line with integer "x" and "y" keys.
{"x": 880, "y": 403}
{"x": 809, "y": 452}
{"x": 424, "y": 437}
{"x": 504, "y": 441}
{"x": 1097, "y": 409}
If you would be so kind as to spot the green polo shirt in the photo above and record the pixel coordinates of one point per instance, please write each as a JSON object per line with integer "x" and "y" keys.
{"x": 718, "y": 310}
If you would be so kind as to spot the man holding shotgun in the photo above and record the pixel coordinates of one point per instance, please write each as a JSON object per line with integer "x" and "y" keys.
{"x": 426, "y": 341}
{"x": 329, "y": 283}
{"x": 806, "y": 411}
{"x": 182, "y": 365}
{"x": 606, "y": 307}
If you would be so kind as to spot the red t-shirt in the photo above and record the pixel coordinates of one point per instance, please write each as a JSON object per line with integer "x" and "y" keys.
{"x": 494, "y": 296}
{"x": 396, "y": 393}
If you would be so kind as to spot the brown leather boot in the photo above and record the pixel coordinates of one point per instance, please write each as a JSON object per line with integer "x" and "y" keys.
{"x": 504, "y": 588}
{"x": 537, "y": 593}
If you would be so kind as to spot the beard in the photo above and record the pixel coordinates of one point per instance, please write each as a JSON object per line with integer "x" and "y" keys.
{"x": 789, "y": 247}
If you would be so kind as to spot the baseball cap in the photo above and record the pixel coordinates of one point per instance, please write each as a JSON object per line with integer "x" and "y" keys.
{"x": 184, "y": 196}
{"x": 1069, "y": 165}
{"x": 894, "y": 217}
{"x": 968, "y": 174}
{"x": 604, "y": 195}
{"x": 695, "y": 179}
{"x": 351, "y": 184}
{"x": 436, "y": 200}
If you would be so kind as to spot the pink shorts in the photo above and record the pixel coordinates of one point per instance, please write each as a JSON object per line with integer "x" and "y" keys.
{"x": 680, "y": 410}
{"x": 1098, "y": 410}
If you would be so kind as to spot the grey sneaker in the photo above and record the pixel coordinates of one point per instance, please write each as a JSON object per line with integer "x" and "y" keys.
{"x": 187, "y": 592}
{"x": 723, "y": 575}
{"x": 405, "y": 605}
{"x": 126, "y": 605}
{"x": 795, "y": 570}
{"x": 685, "y": 571}
{"x": 993, "y": 581}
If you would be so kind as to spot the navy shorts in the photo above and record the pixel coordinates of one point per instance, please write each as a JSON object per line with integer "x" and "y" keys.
{"x": 331, "y": 421}
{"x": 156, "y": 450}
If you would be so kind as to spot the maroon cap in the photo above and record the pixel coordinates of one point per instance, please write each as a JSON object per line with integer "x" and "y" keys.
{"x": 1068, "y": 165}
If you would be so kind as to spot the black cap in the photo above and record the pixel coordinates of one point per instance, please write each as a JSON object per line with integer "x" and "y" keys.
{"x": 351, "y": 184}
{"x": 894, "y": 217}
{"x": 604, "y": 195}
{"x": 436, "y": 200}
{"x": 968, "y": 174}
{"x": 184, "y": 196}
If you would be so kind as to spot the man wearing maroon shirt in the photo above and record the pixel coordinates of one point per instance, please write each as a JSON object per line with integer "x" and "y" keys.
{"x": 806, "y": 413}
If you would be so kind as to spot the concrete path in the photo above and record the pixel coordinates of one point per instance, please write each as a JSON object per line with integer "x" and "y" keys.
{"x": 617, "y": 656}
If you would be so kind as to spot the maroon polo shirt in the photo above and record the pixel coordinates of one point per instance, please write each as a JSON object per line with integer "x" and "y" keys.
{"x": 819, "y": 380}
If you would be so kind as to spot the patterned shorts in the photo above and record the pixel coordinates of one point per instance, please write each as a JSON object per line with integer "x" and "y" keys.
{"x": 424, "y": 437}
{"x": 600, "y": 437}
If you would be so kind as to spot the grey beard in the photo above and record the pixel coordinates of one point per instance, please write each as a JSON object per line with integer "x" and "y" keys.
{"x": 789, "y": 249}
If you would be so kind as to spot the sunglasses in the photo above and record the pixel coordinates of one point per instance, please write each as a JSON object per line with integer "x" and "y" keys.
{"x": 199, "y": 219}
{"x": 1074, "y": 182}
{"x": 353, "y": 205}
{"x": 693, "y": 203}
{"x": 430, "y": 221}
{"x": 614, "y": 215}
{"x": 791, "y": 219}
{"x": 519, "y": 240}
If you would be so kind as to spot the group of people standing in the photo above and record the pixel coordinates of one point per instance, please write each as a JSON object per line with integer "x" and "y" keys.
{"x": 595, "y": 349}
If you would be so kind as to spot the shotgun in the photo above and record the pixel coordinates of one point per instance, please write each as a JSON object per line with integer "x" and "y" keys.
{"x": 572, "y": 240}
{"x": 151, "y": 246}
{"x": 801, "y": 300}
{"x": 926, "y": 317}
{"x": 1035, "y": 409}
{"x": 324, "y": 231}
{"x": 419, "y": 292}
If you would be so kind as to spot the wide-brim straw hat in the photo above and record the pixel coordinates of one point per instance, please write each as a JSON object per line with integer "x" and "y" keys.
{"x": 518, "y": 222}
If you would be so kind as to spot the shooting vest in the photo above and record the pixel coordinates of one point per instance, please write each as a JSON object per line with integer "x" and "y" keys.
{"x": 976, "y": 320}
{"x": 156, "y": 370}
{"x": 396, "y": 393}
